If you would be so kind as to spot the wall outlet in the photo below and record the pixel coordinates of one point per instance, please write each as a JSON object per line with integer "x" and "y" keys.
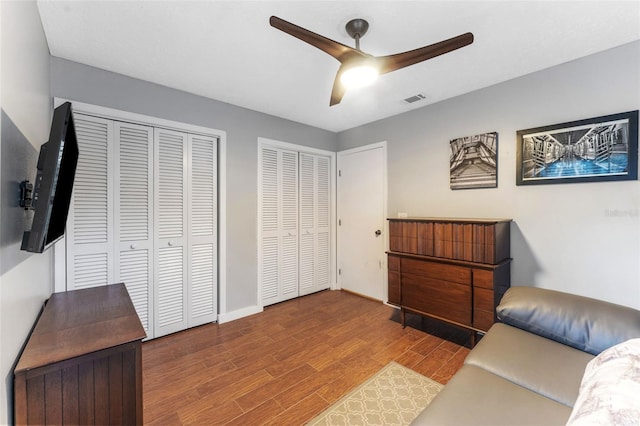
{"x": 403, "y": 215}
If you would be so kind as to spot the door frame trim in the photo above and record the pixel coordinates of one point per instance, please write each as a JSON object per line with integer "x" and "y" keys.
{"x": 377, "y": 145}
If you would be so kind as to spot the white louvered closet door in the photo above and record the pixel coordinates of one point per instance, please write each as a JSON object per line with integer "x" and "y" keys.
{"x": 134, "y": 216}
{"x": 279, "y": 225}
{"x": 90, "y": 239}
{"x": 170, "y": 202}
{"x": 203, "y": 225}
{"x": 314, "y": 223}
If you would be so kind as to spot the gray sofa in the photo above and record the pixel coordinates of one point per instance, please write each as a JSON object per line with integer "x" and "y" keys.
{"x": 528, "y": 368}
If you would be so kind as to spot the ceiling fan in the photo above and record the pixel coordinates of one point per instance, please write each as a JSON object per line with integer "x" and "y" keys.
{"x": 355, "y": 59}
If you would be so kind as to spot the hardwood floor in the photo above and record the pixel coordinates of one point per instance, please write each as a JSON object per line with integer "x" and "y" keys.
{"x": 286, "y": 365}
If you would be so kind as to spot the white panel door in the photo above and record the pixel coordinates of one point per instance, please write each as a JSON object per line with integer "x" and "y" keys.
{"x": 170, "y": 212}
{"x": 315, "y": 218}
{"x": 134, "y": 216}
{"x": 90, "y": 239}
{"x": 203, "y": 225}
{"x": 361, "y": 220}
{"x": 278, "y": 256}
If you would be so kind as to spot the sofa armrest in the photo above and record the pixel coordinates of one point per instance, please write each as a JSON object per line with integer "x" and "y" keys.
{"x": 587, "y": 324}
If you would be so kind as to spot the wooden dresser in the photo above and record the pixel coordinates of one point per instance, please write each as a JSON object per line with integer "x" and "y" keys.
{"x": 82, "y": 363}
{"x": 454, "y": 270}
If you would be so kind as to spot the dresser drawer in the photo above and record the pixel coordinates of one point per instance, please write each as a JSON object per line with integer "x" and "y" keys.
{"x": 483, "y": 320}
{"x": 441, "y": 298}
{"x": 393, "y": 263}
{"x": 483, "y": 278}
{"x": 442, "y": 271}
{"x": 482, "y": 299}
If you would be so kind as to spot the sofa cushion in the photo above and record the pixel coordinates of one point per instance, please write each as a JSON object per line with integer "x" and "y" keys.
{"x": 531, "y": 361}
{"x": 610, "y": 389}
{"x": 477, "y": 397}
{"x": 587, "y": 324}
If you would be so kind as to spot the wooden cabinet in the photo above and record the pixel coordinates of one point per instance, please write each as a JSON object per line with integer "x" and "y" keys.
{"x": 82, "y": 363}
{"x": 455, "y": 270}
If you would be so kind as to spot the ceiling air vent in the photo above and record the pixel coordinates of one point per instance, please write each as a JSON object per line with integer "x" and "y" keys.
{"x": 414, "y": 98}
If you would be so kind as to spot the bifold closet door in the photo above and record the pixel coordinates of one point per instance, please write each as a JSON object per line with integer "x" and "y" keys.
{"x": 202, "y": 273}
{"x": 134, "y": 217}
{"x": 170, "y": 200}
{"x": 144, "y": 212}
{"x": 314, "y": 223}
{"x": 278, "y": 189}
{"x": 186, "y": 231}
{"x": 89, "y": 233}
{"x": 109, "y": 227}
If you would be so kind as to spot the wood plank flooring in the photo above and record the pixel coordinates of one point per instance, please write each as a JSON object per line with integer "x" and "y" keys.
{"x": 287, "y": 364}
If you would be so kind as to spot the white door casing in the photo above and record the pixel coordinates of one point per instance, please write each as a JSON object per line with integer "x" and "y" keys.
{"x": 361, "y": 213}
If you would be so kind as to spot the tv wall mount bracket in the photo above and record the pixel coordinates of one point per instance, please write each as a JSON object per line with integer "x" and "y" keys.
{"x": 26, "y": 195}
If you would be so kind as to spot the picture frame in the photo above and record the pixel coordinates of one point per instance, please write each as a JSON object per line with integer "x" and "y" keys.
{"x": 592, "y": 150}
{"x": 473, "y": 161}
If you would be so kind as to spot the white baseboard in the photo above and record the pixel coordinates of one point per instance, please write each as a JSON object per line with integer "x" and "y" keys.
{"x": 240, "y": 313}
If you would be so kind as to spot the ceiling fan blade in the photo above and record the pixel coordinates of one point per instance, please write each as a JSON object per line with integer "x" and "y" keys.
{"x": 401, "y": 60}
{"x": 338, "y": 91}
{"x": 336, "y": 49}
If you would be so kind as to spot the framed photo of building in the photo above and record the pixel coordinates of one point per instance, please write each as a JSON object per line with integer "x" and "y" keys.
{"x": 473, "y": 161}
{"x": 592, "y": 150}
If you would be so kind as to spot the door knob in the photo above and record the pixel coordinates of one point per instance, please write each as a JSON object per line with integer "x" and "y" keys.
{"x": 378, "y": 232}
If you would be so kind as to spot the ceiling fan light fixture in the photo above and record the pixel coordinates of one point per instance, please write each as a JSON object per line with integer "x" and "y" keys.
{"x": 359, "y": 75}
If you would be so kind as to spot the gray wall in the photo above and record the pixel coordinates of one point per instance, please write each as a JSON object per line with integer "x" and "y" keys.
{"x": 82, "y": 83}
{"x": 582, "y": 238}
{"x": 25, "y": 279}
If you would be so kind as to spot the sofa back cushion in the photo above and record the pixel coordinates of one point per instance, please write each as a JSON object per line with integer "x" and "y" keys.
{"x": 587, "y": 324}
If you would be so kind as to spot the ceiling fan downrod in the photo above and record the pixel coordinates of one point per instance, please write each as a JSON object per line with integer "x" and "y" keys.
{"x": 357, "y": 28}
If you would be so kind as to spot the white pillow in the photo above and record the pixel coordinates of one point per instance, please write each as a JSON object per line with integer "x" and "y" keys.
{"x": 610, "y": 389}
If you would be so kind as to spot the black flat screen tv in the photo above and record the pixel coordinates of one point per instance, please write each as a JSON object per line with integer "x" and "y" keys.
{"x": 54, "y": 183}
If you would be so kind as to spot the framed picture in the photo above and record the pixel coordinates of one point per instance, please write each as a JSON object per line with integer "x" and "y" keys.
{"x": 473, "y": 161}
{"x": 592, "y": 150}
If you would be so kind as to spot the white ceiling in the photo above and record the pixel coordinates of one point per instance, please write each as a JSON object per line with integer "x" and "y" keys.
{"x": 226, "y": 50}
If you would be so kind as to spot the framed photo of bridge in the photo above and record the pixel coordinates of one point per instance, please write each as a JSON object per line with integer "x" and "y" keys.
{"x": 592, "y": 150}
{"x": 473, "y": 161}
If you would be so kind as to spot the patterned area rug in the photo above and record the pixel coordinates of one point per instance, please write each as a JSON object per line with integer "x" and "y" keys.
{"x": 395, "y": 395}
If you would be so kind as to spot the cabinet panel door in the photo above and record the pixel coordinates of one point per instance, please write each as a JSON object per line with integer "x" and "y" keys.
{"x": 170, "y": 211}
{"x": 89, "y": 234}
